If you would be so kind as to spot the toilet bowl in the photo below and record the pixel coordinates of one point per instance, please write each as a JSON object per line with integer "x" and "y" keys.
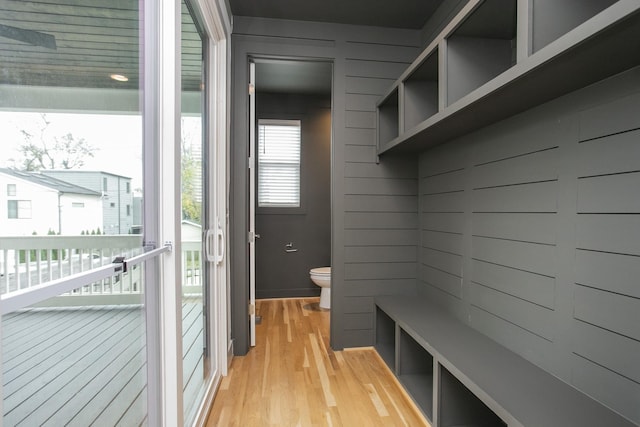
{"x": 321, "y": 276}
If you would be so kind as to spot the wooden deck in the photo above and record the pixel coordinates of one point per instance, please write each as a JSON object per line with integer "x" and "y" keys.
{"x": 85, "y": 366}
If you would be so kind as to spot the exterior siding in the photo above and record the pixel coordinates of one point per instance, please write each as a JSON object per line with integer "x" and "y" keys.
{"x": 530, "y": 231}
{"x": 116, "y": 218}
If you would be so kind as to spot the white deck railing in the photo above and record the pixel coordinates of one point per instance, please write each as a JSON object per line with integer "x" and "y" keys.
{"x": 32, "y": 260}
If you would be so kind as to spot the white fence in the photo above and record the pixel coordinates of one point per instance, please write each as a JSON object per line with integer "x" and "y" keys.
{"x": 32, "y": 260}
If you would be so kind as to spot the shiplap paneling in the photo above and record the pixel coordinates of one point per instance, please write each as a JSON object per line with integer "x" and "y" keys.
{"x": 609, "y": 233}
{"x": 596, "y": 344}
{"x": 617, "y": 273}
{"x": 548, "y": 229}
{"x": 368, "y": 85}
{"x": 535, "y": 288}
{"x": 595, "y": 194}
{"x": 444, "y": 261}
{"x": 442, "y": 241}
{"x": 613, "y": 390}
{"x": 385, "y": 203}
{"x": 446, "y": 282}
{"x": 380, "y": 254}
{"x": 616, "y": 153}
{"x": 531, "y": 317}
{"x": 620, "y": 115}
{"x": 531, "y": 257}
{"x": 354, "y": 136}
{"x": 380, "y": 219}
{"x": 526, "y": 198}
{"x": 525, "y": 227}
{"x": 531, "y": 346}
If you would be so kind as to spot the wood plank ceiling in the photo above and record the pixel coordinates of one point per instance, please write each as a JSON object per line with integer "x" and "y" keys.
{"x": 93, "y": 39}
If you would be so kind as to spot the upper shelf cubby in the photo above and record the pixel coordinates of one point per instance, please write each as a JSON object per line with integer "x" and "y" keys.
{"x": 388, "y": 117}
{"x": 552, "y": 19}
{"x": 421, "y": 92}
{"x": 497, "y": 58}
{"x": 482, "y": 47}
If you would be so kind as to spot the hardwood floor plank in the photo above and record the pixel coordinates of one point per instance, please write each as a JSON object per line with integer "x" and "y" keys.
{"x": 293, "y": 378}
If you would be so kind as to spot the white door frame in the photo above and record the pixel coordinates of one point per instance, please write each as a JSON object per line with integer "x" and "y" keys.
{"x": 252, "y": 203}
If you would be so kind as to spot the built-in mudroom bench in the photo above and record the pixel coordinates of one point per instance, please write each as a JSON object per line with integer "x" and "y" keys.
{"x": 460, "y": 377}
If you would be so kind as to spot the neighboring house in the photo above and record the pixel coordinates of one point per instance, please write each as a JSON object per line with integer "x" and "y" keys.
{"x": 31, "y": 202}
{"x": 117, "y": 196}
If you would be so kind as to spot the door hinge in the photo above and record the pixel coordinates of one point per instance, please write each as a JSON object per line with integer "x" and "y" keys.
{"x": 252, "y": 309}
{"x": 252, "y": 89}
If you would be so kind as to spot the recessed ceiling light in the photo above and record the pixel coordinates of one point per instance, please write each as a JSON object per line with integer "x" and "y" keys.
{"x": 119, "y": 77}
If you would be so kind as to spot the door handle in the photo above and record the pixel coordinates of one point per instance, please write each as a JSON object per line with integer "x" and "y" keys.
{"x": 219, "y": 256}
{"x": 208, "y": 237}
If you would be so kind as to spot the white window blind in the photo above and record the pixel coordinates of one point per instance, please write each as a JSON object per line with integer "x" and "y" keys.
{"x": 278, "y": 163}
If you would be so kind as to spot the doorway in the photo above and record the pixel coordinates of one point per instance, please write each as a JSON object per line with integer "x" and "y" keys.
{"x": 291, "y": 208}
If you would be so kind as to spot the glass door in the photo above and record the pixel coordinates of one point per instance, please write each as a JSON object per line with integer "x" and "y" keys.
{"x": 195, "y": 211}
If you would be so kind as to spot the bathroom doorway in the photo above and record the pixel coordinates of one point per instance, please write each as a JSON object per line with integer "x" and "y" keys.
{"x": 291, "y": 203}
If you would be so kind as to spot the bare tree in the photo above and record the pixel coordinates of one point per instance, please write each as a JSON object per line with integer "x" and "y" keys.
{"x": 40, "y": 151}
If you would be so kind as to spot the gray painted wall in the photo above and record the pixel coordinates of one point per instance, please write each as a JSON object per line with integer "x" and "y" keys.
{"x": 286, "y": 274}
{"x": 374, "y": 207}
{"x": 530, "y": 233}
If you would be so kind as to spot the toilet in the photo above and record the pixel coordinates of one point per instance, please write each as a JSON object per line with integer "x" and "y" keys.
{"x": 321, "y": 276}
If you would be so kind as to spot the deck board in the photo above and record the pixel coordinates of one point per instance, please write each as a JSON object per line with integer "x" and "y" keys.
{"x": 83, "y": 366}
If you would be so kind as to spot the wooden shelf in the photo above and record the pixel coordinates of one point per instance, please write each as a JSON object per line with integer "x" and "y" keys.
{"x": 596, "y": 43}
{"x": 481, "y": 48}
{"x": 415, "y": 371}
{"x": 386, "y": 339}
{"x": 388, "y": 117}
{"x": 460, "y": 407}
{"x": 421, "y": 99}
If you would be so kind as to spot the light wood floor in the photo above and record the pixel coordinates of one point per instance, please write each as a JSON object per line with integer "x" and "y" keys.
{"x": 293, "y": 378}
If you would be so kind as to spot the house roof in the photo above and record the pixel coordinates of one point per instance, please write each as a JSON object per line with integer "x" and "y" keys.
{"x": 49, "y": 182}
{"x": 51, "y": 172}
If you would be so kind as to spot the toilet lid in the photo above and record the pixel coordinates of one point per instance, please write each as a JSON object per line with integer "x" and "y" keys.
{"x": 321, "y": 270}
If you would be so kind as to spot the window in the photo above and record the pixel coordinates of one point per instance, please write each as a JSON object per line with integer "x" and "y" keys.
{"x": 128, "y": 210}
{"x": 104, "y": 184}
{"x": 113, "y": 205}
{"x": 128, "y": 187}
{"x": 19, "y": 209}
{"x": 77, "y": 205}
{"x": 279, "y": 163}
{"x": 11, "y": 190}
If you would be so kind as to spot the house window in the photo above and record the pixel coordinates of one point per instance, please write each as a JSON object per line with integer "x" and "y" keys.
{"x": 77, "y": 205}
{"x": 19, "y": 209}
{"x": 279, "y": 163}
{"x": 128, "y": 187}
{"x": 11, "y": 189}
{"x": 104, "y": 184}
{"x": 128, "y": 210}
{"x": 113, "y": 205}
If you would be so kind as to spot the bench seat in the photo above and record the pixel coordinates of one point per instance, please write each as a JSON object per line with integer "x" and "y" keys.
{"x": 475, "y": 380}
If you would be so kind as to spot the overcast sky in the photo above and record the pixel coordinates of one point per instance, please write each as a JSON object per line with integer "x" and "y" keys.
{"x": 118, "y": 139}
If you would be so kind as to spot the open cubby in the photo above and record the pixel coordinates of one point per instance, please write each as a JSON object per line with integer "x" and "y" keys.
{"x": 481, "y": 47}
{"x": 421, "y": 92}
{"x": 415, "y": 371}
{"x": 386, "y": 338}
{"x": 458, "y": 406}
{"x": 388, "y": 118}
{"x": 552, "y": 19}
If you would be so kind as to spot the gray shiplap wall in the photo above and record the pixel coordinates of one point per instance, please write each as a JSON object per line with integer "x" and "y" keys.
{"x": 374, "y": 206}
{"x": 530, "y": 233}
